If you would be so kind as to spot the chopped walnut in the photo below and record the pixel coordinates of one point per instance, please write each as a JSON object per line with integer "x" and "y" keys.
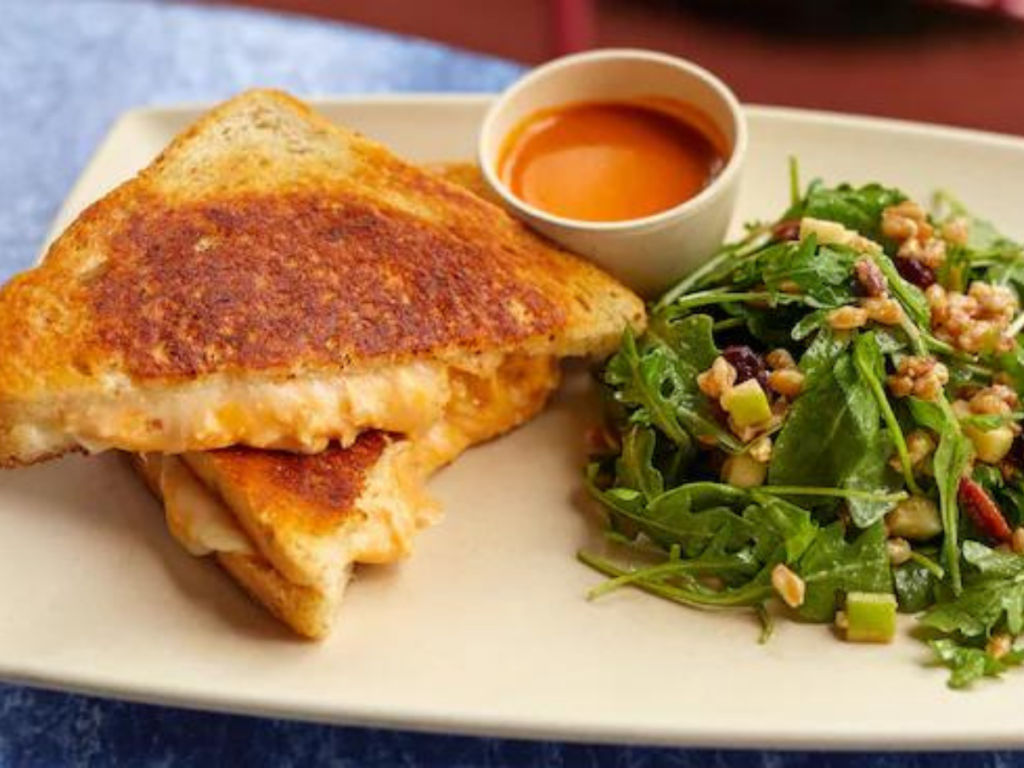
{"x": 923, "y": 377}
{"x": 883, "y": 310}
{"x": 780, "y": 359}
{"x": 905, "y": 221}
{"x": 787, "y": 381}
{"x": 955, "y": 231}
{"x": 718, "y": 379}
{"x": 938, "y": 300}
{"x": 974, "y": 321}
{"x": 931, "y": 253}
{"x": 847, "y": 318}
{"x": 997, "y": 399}
{"x": 995, "y": 301}
{"x": 908, "y": 225}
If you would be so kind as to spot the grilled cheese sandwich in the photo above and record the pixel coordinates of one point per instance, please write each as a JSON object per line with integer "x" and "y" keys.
{"x": 277, "y": 281}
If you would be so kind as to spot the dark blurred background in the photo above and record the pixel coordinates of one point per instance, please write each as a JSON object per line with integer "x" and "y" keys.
{"x": 956, "y": 62}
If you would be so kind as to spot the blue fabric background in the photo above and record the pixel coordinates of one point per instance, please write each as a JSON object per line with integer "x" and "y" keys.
{"x": 67, "y": 69}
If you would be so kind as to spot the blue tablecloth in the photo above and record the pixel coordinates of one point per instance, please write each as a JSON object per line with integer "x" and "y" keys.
{"x": 67, "y": 69}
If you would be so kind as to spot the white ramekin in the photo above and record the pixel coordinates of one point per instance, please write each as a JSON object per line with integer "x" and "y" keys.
{"x": 649, "y": 253}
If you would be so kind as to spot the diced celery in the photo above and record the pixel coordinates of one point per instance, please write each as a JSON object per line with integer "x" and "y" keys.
{"x": 747, "y": 404}
{"x": 870, "y": 617}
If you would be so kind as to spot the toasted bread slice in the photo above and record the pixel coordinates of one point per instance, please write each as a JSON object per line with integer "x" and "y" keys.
{"x": 277, "y": 281}
{"x": 289, "y": 527}
{"x": 318, "y": 512}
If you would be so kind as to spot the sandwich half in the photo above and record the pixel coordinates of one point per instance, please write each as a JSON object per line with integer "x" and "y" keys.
{"x": 289, "y": 527}
{"x": 276, "y": 281}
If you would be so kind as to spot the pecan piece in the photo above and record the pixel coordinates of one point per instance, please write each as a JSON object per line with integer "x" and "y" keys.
{"x": 984, "y": 513}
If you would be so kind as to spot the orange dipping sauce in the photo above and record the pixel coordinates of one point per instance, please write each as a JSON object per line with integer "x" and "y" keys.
{"x": 611, "y": 161}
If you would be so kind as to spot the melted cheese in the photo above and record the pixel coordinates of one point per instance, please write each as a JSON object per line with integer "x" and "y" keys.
{"x": 394, "y": 502}
{"x": 196, "y": 517}
{"x": 301, "y": 414}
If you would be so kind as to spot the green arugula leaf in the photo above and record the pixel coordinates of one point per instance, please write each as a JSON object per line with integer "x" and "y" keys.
{"x": 657, "y": 380}
{"x": 635, "y": 468}
{"x": 994, "y": 597}
{"x": 690, "y": 340}
{"x": 856, "y": 208}
{"x": 658, "y": 580}
{"x": 949, "y": 463}
{"x": 874, "y": 474}
{"x": 790, "y": 526}
{"x": 642, "y": 382}
{"x": 808, "y": 324}
{"x": 992, "y": 601}
{"x": 833, "y": 567}
{"x": 822, "y": 354}
{"x": 969, "y": 664}
{"x": 690, "y": 516}
{"x": 890, "y": 341}
{"x": 914, "y": 585}
{"x": 867, "y": 358}
{"x": 992, "y": 563}
{"x": 823, "y": 274}
{"x": 815, "y": 449}
{"x": 927, "y": 414}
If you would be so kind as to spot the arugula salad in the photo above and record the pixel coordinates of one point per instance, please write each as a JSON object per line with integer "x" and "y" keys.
{"x": 825, "y": 418}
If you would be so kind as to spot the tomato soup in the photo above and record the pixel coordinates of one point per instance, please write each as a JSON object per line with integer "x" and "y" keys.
{"x": 611, "y": 161}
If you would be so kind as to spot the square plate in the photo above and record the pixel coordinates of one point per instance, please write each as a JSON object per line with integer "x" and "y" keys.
{"x": 485, "y": 629}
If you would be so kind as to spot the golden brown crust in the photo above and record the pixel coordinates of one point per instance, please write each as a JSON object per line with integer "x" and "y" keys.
{"x": 465, "y": 175}
{"x": 317, "y": 493}
{"x": 270, "y": 282}
{"x": 307, "y": 610}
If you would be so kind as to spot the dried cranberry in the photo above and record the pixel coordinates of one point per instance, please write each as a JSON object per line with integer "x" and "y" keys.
{"x": 787, "y": 229}
{"x": 916, "y": 272}
{"x": 748, "y": 364}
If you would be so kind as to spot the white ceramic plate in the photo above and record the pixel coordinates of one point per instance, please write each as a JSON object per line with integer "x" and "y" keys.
{"x": 485, "y": 630}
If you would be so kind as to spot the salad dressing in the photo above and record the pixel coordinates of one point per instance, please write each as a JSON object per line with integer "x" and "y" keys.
{"x": 612, "y": 161}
